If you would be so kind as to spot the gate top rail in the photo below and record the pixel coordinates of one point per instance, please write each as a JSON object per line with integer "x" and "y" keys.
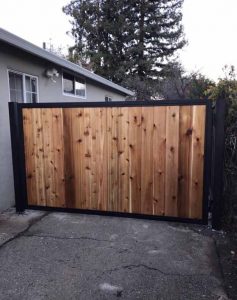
{"x": 115, "y": 103}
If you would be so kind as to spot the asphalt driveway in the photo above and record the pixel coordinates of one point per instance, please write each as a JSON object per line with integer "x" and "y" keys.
{"x": 74, "y": 256}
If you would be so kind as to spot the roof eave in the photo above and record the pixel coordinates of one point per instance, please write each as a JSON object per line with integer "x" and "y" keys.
{"x": 20, "y": 43}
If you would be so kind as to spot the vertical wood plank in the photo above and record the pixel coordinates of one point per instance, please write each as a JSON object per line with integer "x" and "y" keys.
{"x": 69, "y": 162}
{"x": 135, "y": 139}
{"x": 39, "y": 153}
{"x": 185, "y": 137}
{"x": 46, "y": 115}
{"x": 197, "y": 162}
{"x": 52, "y": 124}
{"x": 171, "y": 170}
{"x": 79, "y": 156}
{"x": 123, "y": 160}
{"x": 95, "y": 172}
{"x": 87, "y": 156}
{"x": 147, "y": 129}
{"x": 112, "y": 148}
{"x": 28, "y": 126}
{"x": 102, "y": 159}
{"x": 58, "y": 157}
{"x": 159, "y": 150}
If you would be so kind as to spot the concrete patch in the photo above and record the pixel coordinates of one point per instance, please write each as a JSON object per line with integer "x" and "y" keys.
{"x": 113, "y": 289}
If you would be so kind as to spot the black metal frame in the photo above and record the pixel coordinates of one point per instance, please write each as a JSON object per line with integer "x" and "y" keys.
{"x": 116, "y": 214}
{"x": 18, "y": 153}
{"x": 218, "y": 163}
{"x": 112, "y": 104}
{"x": 18, "y": 156}
{"x": 207, "y": 161}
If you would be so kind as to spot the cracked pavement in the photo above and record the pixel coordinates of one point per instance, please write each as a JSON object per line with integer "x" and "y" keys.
{"x": 75, "y": 256}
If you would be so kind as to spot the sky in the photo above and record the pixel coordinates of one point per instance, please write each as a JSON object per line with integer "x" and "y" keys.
{"x": 210, "y": 27}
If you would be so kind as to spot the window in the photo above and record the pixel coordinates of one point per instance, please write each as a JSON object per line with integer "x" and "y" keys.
{"x": 74, "y": 86}
{"x": 108, "y": 99}
{"x": 23, "y": 87}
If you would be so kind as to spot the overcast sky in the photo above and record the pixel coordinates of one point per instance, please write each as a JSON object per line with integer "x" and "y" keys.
{"x": 210, "y": 28}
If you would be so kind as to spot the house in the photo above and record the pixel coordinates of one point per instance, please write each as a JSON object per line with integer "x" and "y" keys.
{"x": 30, "y": 74}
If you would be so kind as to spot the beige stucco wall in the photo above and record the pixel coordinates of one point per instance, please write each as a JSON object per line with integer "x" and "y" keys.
{"x": 48, "y": 92}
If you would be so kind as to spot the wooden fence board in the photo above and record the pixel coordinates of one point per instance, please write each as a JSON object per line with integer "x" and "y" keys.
{"x": 185, "y": 138}
{"x": 30, "y": 153}
{"x": 197, "y": 162}
{"x": 94, "y": 168}
{"x": 171, "y": 169}
{"x": 135, "y": 139}
{"x": 39, "y": 153}
{"x": 69, "y": 163}
{"x": 123, "y": 160}
{"x": 147, "y": 128}
{"x": 146, "y": 160}
{"x": 58, "y": 158}
{"x": 159, "y": 151}
{"x": 102, "y": 162}
{"x": 112, "y": 142}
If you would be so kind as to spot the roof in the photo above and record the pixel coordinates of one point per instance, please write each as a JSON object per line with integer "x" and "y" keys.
{"x": 28, "y": 47}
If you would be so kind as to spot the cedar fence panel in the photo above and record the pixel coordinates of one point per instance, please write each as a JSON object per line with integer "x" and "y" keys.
{"x": 137, "y": 158}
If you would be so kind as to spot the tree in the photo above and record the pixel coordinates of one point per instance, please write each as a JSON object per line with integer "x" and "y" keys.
{"x": 179, "y": 84}
{"x": 127, "y": 39}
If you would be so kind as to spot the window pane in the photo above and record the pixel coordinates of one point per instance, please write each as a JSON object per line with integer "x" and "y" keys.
{"x": 28, "y": 87}
{"x": 33, "y": 85}
{"x": 19, "y": 96}
{"x": 34, "y": 98}
{"x": 12, "y": 80}
{"x": 68, "y": 84}
{"x": 13, "y": 95}
{"x": 80, "y": 88}
{"x": 19, "y": 82}
{"x": 28, "y": 97}
{"x": 16, "y": 87}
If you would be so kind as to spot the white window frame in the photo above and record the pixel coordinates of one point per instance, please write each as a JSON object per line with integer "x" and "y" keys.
{"x": 24, "y": 84}
{"x": 71, "y": 95}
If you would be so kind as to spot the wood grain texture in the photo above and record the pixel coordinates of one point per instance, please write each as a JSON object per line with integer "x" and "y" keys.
{"x": 159, "y": 160}
{"x": 112, "y": 148}
{"x": 123, "y": 160}
{"x": 30, "y": 154}
{"x": 135, "y": 139}
{"x": 39, "y": 154}
{"x": 69, "y": 159}
{"x": 147, "y": 128}
{"x": 197, "y": 162}
{"x": 171, "y": 167}
{"x": 185, "y": 138}
{"x": 146, "y": 160}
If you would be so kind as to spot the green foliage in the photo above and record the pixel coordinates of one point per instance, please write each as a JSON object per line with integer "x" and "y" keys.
{"x": 178, "y": 84}
{"x": 127, "y": 39}
{"x": 198, "y": 86}
{"x": 226, "y": 89}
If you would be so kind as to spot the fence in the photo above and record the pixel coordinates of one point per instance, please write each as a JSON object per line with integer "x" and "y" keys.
{"x": 142, "y": 158}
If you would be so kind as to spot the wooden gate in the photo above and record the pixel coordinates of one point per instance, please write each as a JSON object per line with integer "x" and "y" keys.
{"x": 142, "y": 158}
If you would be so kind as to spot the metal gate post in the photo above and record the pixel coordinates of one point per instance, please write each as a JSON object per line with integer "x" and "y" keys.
{"x": 18, "y": 156}
{"x": 207, "y": 161}
{"x": 218, "y": 163}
